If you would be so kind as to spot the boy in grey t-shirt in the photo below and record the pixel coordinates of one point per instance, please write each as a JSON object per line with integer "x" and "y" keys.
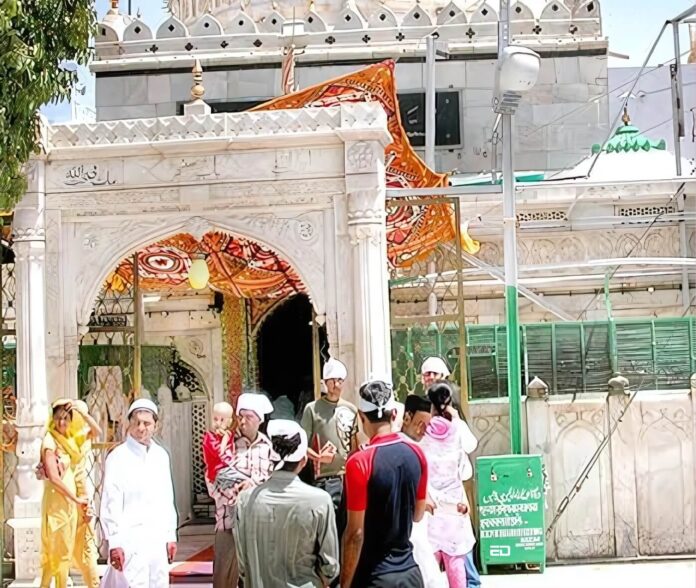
{"x": 331, "y": 424}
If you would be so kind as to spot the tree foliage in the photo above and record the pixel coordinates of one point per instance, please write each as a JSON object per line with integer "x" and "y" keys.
{"x": 35, "y": 36}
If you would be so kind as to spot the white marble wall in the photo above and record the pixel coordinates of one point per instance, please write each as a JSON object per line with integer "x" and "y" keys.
{"x": 638, "y": 499}
{"x": 557, "y": 123}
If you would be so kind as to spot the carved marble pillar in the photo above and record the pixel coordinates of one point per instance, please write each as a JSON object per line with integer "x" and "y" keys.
{"x": 366, "y": 227}
{"x": 29, "y": 244}
{"x": 365, "y": 189}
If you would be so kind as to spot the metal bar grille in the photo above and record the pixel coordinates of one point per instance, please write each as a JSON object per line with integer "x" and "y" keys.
{"x": 572, "y": 358}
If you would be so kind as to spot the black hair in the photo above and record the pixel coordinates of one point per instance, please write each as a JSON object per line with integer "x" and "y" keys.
{"x": 378, "y": 393}
{"x": 62, "y": 408}
{"x": 415, "y": 403}
{"x": 441, "y": 394}
{"x": 285, "y": 446}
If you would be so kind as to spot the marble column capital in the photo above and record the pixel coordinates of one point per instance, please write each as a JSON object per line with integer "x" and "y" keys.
{"x": 366, "y": 207}
{"x": 370, "y": 233}
{"x": 29, "y": 218}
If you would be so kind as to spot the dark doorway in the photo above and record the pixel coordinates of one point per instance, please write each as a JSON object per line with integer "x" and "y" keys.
{"x": 285, "y": 351}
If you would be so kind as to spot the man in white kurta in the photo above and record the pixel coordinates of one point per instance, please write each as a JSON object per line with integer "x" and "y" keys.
{"x": 137, "y": 508}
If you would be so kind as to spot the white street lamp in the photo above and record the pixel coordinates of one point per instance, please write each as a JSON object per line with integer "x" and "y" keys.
{"x": 516, "y": 72}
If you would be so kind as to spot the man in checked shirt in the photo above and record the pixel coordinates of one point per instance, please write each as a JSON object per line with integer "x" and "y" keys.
{"x": 253, "y": 459}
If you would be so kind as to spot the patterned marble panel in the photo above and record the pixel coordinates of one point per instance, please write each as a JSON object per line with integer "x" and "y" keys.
{"x": 665, "y": 477}
{"x": 586, "y": 529}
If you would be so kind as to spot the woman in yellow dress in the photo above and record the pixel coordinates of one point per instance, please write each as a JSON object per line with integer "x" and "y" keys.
{"x": 67, "y": 535}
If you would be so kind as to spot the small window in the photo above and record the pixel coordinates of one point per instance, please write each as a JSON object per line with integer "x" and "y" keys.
{"x": 447, "y": 127}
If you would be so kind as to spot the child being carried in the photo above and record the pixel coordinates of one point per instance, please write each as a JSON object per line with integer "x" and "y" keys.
{"x": 221, "y": 475}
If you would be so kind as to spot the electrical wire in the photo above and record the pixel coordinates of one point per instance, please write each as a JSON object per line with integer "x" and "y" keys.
{"x": 606, "y": 94}
{"x": 625, "y": 100}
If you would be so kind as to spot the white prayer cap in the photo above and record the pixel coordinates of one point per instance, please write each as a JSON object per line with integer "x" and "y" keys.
{"x": 436, "y": 366}
{"x": 288, "y": 429}
{"x": 258, "y": 403}
{"x": 142, "y": 404}
{"x": 334, "y": 370}
{"x": 375, "y": 389}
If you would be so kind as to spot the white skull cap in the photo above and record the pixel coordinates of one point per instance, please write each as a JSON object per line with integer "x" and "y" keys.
{"x": 334, "y": 370}
{"x": 258, "y": 403}
{"x": 142, "y": 404}
{"x": 436, "y": 366}
{"x": 288, "y": 429}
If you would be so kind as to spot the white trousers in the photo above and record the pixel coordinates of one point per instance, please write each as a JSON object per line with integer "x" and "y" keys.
{"x": 147, "y": 566}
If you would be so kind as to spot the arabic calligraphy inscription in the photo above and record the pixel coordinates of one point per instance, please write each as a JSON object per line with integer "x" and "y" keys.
{"x": 89, "y": 174}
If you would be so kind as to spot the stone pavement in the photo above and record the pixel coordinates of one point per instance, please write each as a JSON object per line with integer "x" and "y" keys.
{"x": 651, "y": 574}
{"x": 672, "y": 574}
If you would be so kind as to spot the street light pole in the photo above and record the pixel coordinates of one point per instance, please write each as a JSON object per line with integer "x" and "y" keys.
{"x": 514, "y": 375}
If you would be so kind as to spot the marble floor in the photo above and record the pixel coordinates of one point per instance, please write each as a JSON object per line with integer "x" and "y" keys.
{"x": 651, "y": 574}
{"x": 647, "y": 574}
{"x": 193, "y": 539}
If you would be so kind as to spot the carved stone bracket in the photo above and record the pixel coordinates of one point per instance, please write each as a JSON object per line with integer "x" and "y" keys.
{"x": 366, "y": 206}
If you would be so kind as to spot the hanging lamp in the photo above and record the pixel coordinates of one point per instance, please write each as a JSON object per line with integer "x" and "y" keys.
{"x": 198, "y": 274}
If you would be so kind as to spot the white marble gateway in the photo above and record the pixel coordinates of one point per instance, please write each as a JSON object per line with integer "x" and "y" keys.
{"x": 309, "y": 184}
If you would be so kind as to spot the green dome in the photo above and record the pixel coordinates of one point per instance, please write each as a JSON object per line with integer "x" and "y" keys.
{"x": 628, "y": 138}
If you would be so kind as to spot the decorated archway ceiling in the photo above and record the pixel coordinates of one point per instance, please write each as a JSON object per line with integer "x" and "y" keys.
{"x": 238, "y": 267}
{"x": 413, "y": 231}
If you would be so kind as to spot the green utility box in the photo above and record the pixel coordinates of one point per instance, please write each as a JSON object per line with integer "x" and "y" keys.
{"x": 511, "y": 510}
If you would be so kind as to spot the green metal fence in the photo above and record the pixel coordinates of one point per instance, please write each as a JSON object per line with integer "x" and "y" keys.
{"x": 570, "y": 357}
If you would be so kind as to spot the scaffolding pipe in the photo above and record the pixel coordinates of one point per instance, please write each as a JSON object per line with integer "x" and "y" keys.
{"x": 430, "y": 94}
{"x": 677, "y": 111}
{"x": 138, "y": 326}
{"x": 316, "y": 360}
{"x": 684, "y": 15}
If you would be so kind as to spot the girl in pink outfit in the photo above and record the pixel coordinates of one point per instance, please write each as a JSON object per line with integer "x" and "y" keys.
{"x": 445, "y": 446}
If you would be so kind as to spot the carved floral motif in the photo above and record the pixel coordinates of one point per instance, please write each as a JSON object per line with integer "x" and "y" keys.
{"x": 564, "y": 247}
{"x": 360, "y": 157}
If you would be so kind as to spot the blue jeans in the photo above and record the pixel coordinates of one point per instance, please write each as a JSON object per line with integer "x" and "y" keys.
{"x": 473, "y": 580}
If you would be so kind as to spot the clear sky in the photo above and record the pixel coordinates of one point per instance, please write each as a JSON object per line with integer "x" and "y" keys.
{"x": 633, "y": 25}
{"x": 630, "y": 25}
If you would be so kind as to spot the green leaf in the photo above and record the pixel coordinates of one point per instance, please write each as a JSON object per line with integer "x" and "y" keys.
{"x": 34, "y": 37}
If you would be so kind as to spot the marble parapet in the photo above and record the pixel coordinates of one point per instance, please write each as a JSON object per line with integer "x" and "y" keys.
{"x": 331, "y": 124}
{"x": 240, "y": 34}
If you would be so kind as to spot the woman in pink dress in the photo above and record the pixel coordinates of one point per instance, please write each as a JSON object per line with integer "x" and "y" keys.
{"x": 446, "y": 446}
